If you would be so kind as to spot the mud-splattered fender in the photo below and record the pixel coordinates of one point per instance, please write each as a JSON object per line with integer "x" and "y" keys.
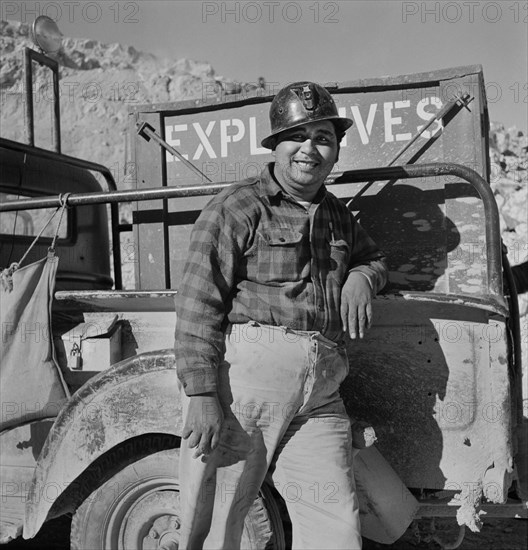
{"x": 134, "y": 397}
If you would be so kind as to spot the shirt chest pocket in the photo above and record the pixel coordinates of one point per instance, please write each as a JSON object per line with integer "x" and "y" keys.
{"x": 280, "y": 255}
{"x": 339, "y": 258}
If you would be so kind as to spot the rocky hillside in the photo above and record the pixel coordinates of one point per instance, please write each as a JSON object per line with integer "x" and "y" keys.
{"x": 509, "y": 168}
{"x": 97, "y": 83}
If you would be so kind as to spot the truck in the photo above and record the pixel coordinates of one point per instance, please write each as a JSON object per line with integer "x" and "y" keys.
{"x": 91, "y": 418}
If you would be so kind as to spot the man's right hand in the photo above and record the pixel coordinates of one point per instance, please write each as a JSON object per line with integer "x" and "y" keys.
{"x": 203, "y": 423}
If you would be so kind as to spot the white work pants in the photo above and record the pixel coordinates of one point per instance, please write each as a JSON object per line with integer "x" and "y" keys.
{"x": 280, "y": 393}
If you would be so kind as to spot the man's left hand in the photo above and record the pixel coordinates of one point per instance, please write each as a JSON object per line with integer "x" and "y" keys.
{"x": 356, "y": 305}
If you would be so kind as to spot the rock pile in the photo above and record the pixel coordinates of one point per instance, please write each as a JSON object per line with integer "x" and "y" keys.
{"x": 509, "y": 181}
{"x": 509, "y": 169}
{"x": 96, "y": 81}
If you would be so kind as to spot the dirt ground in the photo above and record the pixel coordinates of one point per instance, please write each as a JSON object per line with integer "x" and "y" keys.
{"x": 497, "y": 534}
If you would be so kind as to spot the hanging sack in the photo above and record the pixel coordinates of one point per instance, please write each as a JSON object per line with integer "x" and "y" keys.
{"x": 31, "y": 383}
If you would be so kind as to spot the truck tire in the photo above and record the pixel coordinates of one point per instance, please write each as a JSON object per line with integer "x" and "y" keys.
{"x": 138, "y": 509}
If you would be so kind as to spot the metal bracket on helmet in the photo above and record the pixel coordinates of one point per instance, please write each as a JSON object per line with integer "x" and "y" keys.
{"x": 307, "y": 96}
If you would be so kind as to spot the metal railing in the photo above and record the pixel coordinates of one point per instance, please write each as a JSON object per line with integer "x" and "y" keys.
{"x": 492, "y": 227}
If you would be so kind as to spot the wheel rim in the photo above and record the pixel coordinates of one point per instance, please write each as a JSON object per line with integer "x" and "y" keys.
{"x": 145, "y": 517}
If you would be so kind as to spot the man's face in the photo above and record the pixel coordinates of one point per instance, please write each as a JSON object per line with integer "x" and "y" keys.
{"x": 304, "y": 156}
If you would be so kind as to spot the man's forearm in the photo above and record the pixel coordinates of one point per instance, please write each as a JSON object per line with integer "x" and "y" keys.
{"x": 376, "y": 272}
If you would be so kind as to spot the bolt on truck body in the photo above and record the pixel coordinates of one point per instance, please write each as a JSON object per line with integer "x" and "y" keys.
{"x": 439, "y": 376}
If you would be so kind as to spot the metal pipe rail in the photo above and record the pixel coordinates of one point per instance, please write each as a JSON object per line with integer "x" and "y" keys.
{"x": 112, "y": 197}
{"x": 410, "y": 171}
{"x": 438, "y": 169}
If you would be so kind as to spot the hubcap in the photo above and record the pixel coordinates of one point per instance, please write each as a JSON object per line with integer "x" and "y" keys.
{"x": 164, "y": 533}
{"x": 151, "y": 520}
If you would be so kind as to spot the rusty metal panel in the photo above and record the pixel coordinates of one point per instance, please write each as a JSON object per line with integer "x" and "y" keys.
{"x": 181, "y": 216}
{"x": 408, "y": 222}
{"x": 500, "y": 415}
{"x": 433, "y": 379}
{"x": 147, "y": 217}
{"x": 147, "y": 331}
{"x": 468, "y": 144}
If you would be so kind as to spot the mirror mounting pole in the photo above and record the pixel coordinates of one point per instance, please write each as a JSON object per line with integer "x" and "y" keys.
{"x": 30, "y": 56}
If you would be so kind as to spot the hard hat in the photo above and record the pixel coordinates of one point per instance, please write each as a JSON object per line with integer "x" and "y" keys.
{"x": 300, "y": 103}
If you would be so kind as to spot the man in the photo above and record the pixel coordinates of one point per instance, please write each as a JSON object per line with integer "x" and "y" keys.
{"x": 278, "y": 270}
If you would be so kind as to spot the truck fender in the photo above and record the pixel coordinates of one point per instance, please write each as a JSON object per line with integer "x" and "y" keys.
{"x": 137, "y": 396}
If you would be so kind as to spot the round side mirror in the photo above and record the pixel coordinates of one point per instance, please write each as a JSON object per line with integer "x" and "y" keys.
{"x": 46, "y": 34}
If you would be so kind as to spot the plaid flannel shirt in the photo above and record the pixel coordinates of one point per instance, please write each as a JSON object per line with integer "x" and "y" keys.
{"x": 257, "y": 254}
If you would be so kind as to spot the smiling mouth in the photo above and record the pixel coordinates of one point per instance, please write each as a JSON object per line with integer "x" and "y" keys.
{"x": 306, "y": 163}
